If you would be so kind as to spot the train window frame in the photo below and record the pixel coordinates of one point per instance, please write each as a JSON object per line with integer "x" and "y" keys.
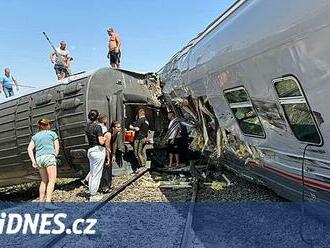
{"x": 291, "y": 100}
{"x": 244, "y": 104}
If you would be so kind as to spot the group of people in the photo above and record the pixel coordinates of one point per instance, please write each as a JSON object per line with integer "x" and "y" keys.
{"x": 102, "y": 151}
{"x": 43, "y": 151}
{"x": 62, "y": 59}
{"x": 103, "y": 147}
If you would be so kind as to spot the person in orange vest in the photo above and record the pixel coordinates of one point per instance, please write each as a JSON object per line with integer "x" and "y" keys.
{"x": 114, "y": 48}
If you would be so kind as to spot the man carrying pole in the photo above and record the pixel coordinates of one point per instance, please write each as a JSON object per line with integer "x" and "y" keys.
{"x": 61, "y": 59}
{"x": 7, "y": 82}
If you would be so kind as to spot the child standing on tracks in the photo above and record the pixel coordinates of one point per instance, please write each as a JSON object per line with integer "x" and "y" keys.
{"x": 46, "y": 145}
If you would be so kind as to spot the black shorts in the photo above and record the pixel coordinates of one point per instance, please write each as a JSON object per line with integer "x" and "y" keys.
{"x": 60, "y": 68}
{"x": 114, "y": 57}
{"x": 174, "y": 148}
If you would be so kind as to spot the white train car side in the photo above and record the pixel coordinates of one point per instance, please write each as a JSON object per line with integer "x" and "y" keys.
{"x": 264, "y": 67}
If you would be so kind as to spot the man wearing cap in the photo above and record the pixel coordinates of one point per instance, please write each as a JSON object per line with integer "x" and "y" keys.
{"x": 114, "y": 48}
{"x": 62, "y": 60}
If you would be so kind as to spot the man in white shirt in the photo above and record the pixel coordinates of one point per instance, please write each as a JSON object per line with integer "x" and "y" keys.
{"x": 61, "y": 59}
{"x": 174, "y": 138}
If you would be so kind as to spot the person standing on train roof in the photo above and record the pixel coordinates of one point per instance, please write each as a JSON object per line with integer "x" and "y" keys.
{"x": 61, "y": 59}
{"x": 96, "y": 154}
{"x": 114, "y": 52}
{"x": 46, "y": 146}
{"x": 7, "y": 82}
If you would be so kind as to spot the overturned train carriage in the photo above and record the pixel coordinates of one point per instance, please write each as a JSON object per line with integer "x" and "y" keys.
{"x": 260, "y": 75}
{"x": 114, "y": 93}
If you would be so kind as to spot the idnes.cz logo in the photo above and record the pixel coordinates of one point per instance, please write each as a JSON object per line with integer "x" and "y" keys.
{"x": 45, "y": 223}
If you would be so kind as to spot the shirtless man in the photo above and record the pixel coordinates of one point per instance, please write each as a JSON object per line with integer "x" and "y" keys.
{"x": 114, "y": 48}
{"x": 62, "y": 60}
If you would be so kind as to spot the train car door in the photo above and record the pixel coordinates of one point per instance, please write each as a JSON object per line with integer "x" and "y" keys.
{"x": 116, "y": 113}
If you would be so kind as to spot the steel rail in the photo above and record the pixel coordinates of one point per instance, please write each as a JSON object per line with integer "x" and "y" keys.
{"x": 188, "y": 235}
{"x": 54, "y": 240}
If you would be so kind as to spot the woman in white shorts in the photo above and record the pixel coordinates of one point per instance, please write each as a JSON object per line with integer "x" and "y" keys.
{"x": 46, "y": 146}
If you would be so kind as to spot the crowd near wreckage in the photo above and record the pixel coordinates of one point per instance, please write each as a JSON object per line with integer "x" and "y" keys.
{"x": 117, "y": 93}
{"x": 251, "y": 100}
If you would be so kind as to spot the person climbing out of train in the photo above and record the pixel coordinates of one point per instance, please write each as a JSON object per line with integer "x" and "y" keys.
{"x": 7, "y": 82}
{"x": 140, "y": 139}
{"x": 114, "y": 52}
{"x": 174, "y": 138}
{"x": 95, "y": 154}
{"x": 111, "y": 143}
{"x": 61, "y": 59}
{"x": 46, "y": 145}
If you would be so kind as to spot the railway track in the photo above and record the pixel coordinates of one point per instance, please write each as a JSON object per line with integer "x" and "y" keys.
{"x": 188, "y": 234}
{"x": 182, "y": 228}
{"x": 54, "y": 240}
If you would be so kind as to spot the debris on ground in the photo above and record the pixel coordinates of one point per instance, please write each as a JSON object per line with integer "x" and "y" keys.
{"x": 155, "y": 187}
{"x": 216, "y": 185}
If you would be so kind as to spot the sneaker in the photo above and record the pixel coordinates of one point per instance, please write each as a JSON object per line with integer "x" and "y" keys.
{"x": 50, "y": 206}
{"x": 96, "y": 198}
{"x": 84, "y": 183}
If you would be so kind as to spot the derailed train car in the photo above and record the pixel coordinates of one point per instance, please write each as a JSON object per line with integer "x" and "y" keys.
{"x": 115, "y": 93}
{"x": 255, "y": 84}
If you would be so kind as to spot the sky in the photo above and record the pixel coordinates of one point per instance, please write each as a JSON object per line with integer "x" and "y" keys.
{"x": 152, "y": 31}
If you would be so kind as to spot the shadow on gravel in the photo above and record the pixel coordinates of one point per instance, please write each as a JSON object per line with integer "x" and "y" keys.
{"x": 30, "y": 191}
{"x": 25, "y": 192}
{"x": 70, "y": 186}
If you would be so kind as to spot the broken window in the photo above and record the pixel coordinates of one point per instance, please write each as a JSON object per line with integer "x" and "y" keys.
{"x": 244, "y": 112}
{"x": 296, "y": 109}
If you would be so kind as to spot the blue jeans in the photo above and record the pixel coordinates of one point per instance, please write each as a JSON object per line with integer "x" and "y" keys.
{"x": 8, "y": 91}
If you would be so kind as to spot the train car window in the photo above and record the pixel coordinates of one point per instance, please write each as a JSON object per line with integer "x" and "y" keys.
{"x": 297, "y": 110}
{"x": 237, "y": 96}
{"x": 244, "y": 112}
